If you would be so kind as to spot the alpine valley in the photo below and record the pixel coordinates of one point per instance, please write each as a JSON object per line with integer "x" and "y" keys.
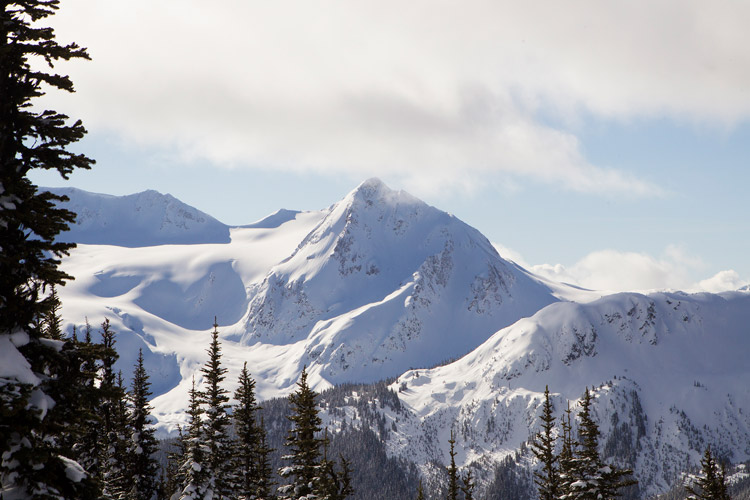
{"x": 413, "y": 326}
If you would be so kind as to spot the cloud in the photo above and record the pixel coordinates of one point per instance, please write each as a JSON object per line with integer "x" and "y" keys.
{"x": 436, "y": 94}
{"x": 615, "y": 271}
{"x": 722, "y": 281}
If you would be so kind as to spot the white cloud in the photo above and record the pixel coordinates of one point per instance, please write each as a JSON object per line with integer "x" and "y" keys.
{"x": 722, "y": 281}
{"x": 615, "y": 271}
{"x": 439, "y": 94}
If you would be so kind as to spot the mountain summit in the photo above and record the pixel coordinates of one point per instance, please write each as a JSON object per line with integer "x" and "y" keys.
{"x": 385, "y": 282}
{"x": 143, "y": 219}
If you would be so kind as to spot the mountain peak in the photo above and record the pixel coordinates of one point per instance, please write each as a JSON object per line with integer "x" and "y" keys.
{"x": 141, "y": 219}
{"x": 374, "y": 192}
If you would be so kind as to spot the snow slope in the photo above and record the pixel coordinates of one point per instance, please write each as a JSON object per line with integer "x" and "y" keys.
{"x": 669, "y": 372}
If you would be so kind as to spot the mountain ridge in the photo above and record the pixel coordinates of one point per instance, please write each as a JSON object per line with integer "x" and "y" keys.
{"x": 382, "y": 285}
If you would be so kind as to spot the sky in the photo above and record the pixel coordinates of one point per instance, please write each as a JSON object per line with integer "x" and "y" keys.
{"x": 605, "y": 144}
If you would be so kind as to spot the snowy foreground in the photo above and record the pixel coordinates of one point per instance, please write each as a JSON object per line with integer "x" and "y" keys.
{"x": 382, "y": 285}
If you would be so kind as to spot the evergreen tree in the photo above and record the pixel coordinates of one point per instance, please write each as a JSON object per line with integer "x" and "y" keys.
{"x": 89, "y": 447}
{"x": 334, "y": 485}
{"x": 543, "y": 448}
{"x": 52, "y": 322}
{"x": 565, "y": 459}
{"x": 264, "y": 471}
{"x": 711, "y": 484}
{"x": 468, "y": 485}
{"x": 193, "y": 470}
{"x": 216, "y": 426}
{"x": 251, "y": 463}
{"x": 142, "y": 466}
{"x": 29, "y": 225}
{"x": 115, "y": 464}
{"x": 592, "y": 478}
{"x": 173, "y": 480}
{"x": 303, "y": 445}
{"x": 248, "y": 436}
{"x": 452, "y": 471}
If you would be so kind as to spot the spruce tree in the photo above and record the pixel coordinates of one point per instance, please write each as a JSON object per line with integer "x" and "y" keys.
{"x": 173, "y": 480}
{"x": 142, "y": 466}
{"x": 543, "y": 447}
{"x": 248, "y": 436}
{"x": 303, "y": 445}
{"x": 217, "y": 423}
{"x": 711, "y": 483}
{"x": 30, "y": 416}
{"x": 264, "y": 472}
{"x": 115, "y": 464}
{"x": 452, "y": 471}
{"x": 194, "y": 471}
{"x": 592, "y": 478}
{"x": 52, "y": 322}
{"x": 565, "y": 459}
{"x": 333, "y": 484}
{"x": 251, "y": 462}
{"x": 468, "y": 485}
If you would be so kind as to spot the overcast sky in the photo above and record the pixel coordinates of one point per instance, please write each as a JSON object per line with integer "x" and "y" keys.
{"x": 602, "y": 143}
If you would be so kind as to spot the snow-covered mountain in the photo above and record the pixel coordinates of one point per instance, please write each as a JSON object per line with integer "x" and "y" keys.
{"x": 375, "y": 284}
{"x": 385, "y": 282}
{"x": 382, "y": 285}
{"x": 143, "y": 219}
{"x": 669, "y": 373}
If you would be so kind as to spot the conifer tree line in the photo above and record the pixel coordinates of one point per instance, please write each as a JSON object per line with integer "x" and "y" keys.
{"x": 577, "y": 471}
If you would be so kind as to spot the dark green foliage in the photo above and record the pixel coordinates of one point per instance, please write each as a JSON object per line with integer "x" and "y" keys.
{"x": 193, "y": 471}
{"x": 29, "y": 139}
{"x": 334, "y": 484}
{"x": 217, "y": 424}
{"x": 468, "y": 485}
{"x": 29, "y": 224}
{"x": 142, "y": 466}
{"x": 589, "y": 477}
{"x": 453, "y": 486}
{"x": 711, "y": 483}
{"x": 543, "y": 447}
{"x": 172, "y": 452}
{"x": 251, "y": 462}
{"x": 264, "y": 470}
{"x": 370, "y": 463}
{"x": 51, "y": 321}
{"x": 302, "y": 442}
{"x": 510, "y": 482}
{"x": 115, "y": 475}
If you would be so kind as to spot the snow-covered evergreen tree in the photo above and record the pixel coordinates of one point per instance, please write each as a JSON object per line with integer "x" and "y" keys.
{"x": 590, "y": 478}
{"x": 171, "y": 484}
{"x": 115, "y": 464}
{"x": 217, "y": 423}
{"x": 246, "y": 466}
{"x": 303, "y": 444}
{"x": 543, "y": 447}
{"x": 33, "y": 463}
{"x": 196, "y": 485}
{"x": 711, "y": 483}
{"x": 334, "y": 484}
{"x": 453, "y": 486}
{"x": 142, "y": 445}
{"x": 264, "y": 472}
